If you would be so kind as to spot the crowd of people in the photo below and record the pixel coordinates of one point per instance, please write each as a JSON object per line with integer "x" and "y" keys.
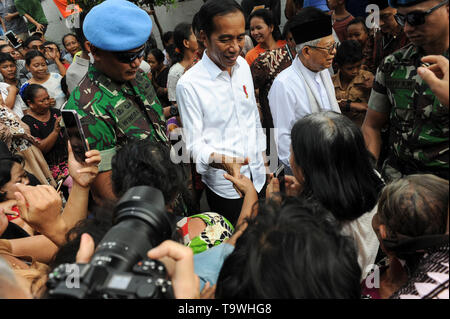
{"x": 351, "y": 109}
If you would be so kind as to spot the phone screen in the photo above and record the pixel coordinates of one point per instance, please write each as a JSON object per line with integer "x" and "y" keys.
{"x": 12, "y": 39}
{"x": 75, "y": 134}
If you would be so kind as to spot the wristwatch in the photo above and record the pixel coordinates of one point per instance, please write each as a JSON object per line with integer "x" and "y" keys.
{"x": 173, "y": 110}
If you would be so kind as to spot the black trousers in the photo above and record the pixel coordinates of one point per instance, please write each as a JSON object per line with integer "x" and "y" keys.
{"x": 229, "y": 208}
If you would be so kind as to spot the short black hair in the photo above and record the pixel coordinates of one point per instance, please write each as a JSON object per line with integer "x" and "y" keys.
{"x": 27, "y": 42}
{"x": 348, "y": 52}
{"x": 4, "y": 46}
{"x": 158, "y": 54}
{"x": 196, "y": 26}
{"x": 295, "y": 251}
{"x": 268, "y": 19}
{"x": 6, "y": 57}
{"x": 29, "y": 93}
{"x": 166, "y": 37}
{"x": 145, "y": 162}
{"x": 6, "y": 165}
{"x": 182, "y": 32}
{"x": 213, "y": 8}
{"x": 31, "y": 55}
{"x": 69, "y": 35}
{"x": 359, "y": 20}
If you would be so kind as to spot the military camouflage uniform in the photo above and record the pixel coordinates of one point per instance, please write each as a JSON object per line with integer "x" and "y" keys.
{"x": 111, "y": 114}
{"x": 419, "y": 124}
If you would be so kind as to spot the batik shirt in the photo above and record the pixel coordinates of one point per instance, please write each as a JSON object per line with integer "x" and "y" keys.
{"x": 419, "y": 123}
{"x": 111, "y": 113}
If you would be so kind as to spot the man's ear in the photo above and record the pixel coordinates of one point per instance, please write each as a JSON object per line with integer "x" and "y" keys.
{"x": 204, "y": 38}
{"x": 306, "y": 51}
{"x": 87, "y": 46}
{"x": 96, "y": 52}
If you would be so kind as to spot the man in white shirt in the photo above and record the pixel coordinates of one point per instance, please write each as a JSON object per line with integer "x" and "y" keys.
{"x": 218, "y": 110}
{"x": 306, "y": 86}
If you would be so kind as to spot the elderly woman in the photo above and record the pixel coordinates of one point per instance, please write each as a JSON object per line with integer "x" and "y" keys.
{"x": 331, "y": 164}
{"x": 410, "y": 224}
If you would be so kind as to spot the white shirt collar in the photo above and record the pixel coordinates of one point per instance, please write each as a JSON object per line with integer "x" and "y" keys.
{"x": 305, "y": 70}
{"x": 212, "y": 68}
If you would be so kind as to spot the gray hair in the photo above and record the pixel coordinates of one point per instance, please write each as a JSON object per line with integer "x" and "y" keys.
{"x": 299, "y": 47}
{"x": 415, "y": 205}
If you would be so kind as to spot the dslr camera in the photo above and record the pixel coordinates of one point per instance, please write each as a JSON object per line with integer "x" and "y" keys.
{"x": 119, "y": 268}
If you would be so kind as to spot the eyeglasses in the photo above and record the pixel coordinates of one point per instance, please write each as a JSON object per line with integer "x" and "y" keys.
{"x": 128, "y": 57}
{"x": 329, "y": 49}
{"x": 416, "y": 18}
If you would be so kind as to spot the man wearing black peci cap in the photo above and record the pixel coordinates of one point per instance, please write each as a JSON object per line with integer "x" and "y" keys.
{"x": 306, "y": 86}
{"x": 419, "y": 123}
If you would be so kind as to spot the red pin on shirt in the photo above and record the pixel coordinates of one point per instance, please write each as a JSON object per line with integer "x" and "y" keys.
{"x": 245, "y": 91}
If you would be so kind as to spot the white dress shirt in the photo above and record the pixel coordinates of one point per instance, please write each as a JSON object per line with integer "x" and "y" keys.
{"x": 219, "y": 115}
{"x": 289, "y": 102}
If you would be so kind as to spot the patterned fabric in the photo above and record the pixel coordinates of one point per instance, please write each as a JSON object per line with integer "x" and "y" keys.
{"x": 217, "y": 229}
{"x": 430, "y": 280}
{"x": 13, "y": 131}
{"x": 265, "y": 69}
{"x": 253, "y": 54}
{"x": 419, "y": 123}
{"x": 111, "y": 114}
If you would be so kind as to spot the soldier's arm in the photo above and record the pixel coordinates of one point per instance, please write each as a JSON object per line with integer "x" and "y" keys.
{"x": 371, "y": 128}
{"x": 377, "y": 115}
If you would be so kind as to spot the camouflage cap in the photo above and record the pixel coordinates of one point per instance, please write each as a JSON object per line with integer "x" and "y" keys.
{"x": 117, "y": 25}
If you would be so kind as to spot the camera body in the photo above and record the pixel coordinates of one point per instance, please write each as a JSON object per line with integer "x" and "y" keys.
{"x": 146, "y": 280}
{"x": 119, "y": 267}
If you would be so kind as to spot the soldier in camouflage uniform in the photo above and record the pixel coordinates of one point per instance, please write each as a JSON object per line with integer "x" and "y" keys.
{"x": 419, "y": 124}
{"x": 115, "y": 100}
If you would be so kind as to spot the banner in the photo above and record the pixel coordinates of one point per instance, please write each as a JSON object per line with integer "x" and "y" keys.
{"x": 66, "y": 10}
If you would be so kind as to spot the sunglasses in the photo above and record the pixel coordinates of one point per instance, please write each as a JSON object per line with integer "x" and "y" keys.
{"x": 128, "y": 57}
{"x": 416, "y": 18}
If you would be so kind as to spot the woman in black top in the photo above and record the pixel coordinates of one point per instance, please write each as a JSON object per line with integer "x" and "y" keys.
{"x": 159, "y": 75}
{"x": 44, "y": 123}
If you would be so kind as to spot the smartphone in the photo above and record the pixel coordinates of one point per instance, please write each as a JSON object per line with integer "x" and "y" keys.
{"x": 13, "y": 40}
{"x": 279, "y": 173}
{"x": 75, "y": 135}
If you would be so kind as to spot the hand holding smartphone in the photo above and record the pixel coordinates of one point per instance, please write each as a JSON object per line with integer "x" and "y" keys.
{"x": 13, "y": 39}
{"x": 75, "y": 135}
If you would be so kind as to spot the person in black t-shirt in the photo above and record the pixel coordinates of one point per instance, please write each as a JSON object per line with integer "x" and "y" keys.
{"x": 44, "y": 123}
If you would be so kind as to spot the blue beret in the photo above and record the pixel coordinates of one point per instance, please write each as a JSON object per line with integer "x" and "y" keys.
{"x": 404, "y": 3}
{"x": 117, "y": 25}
